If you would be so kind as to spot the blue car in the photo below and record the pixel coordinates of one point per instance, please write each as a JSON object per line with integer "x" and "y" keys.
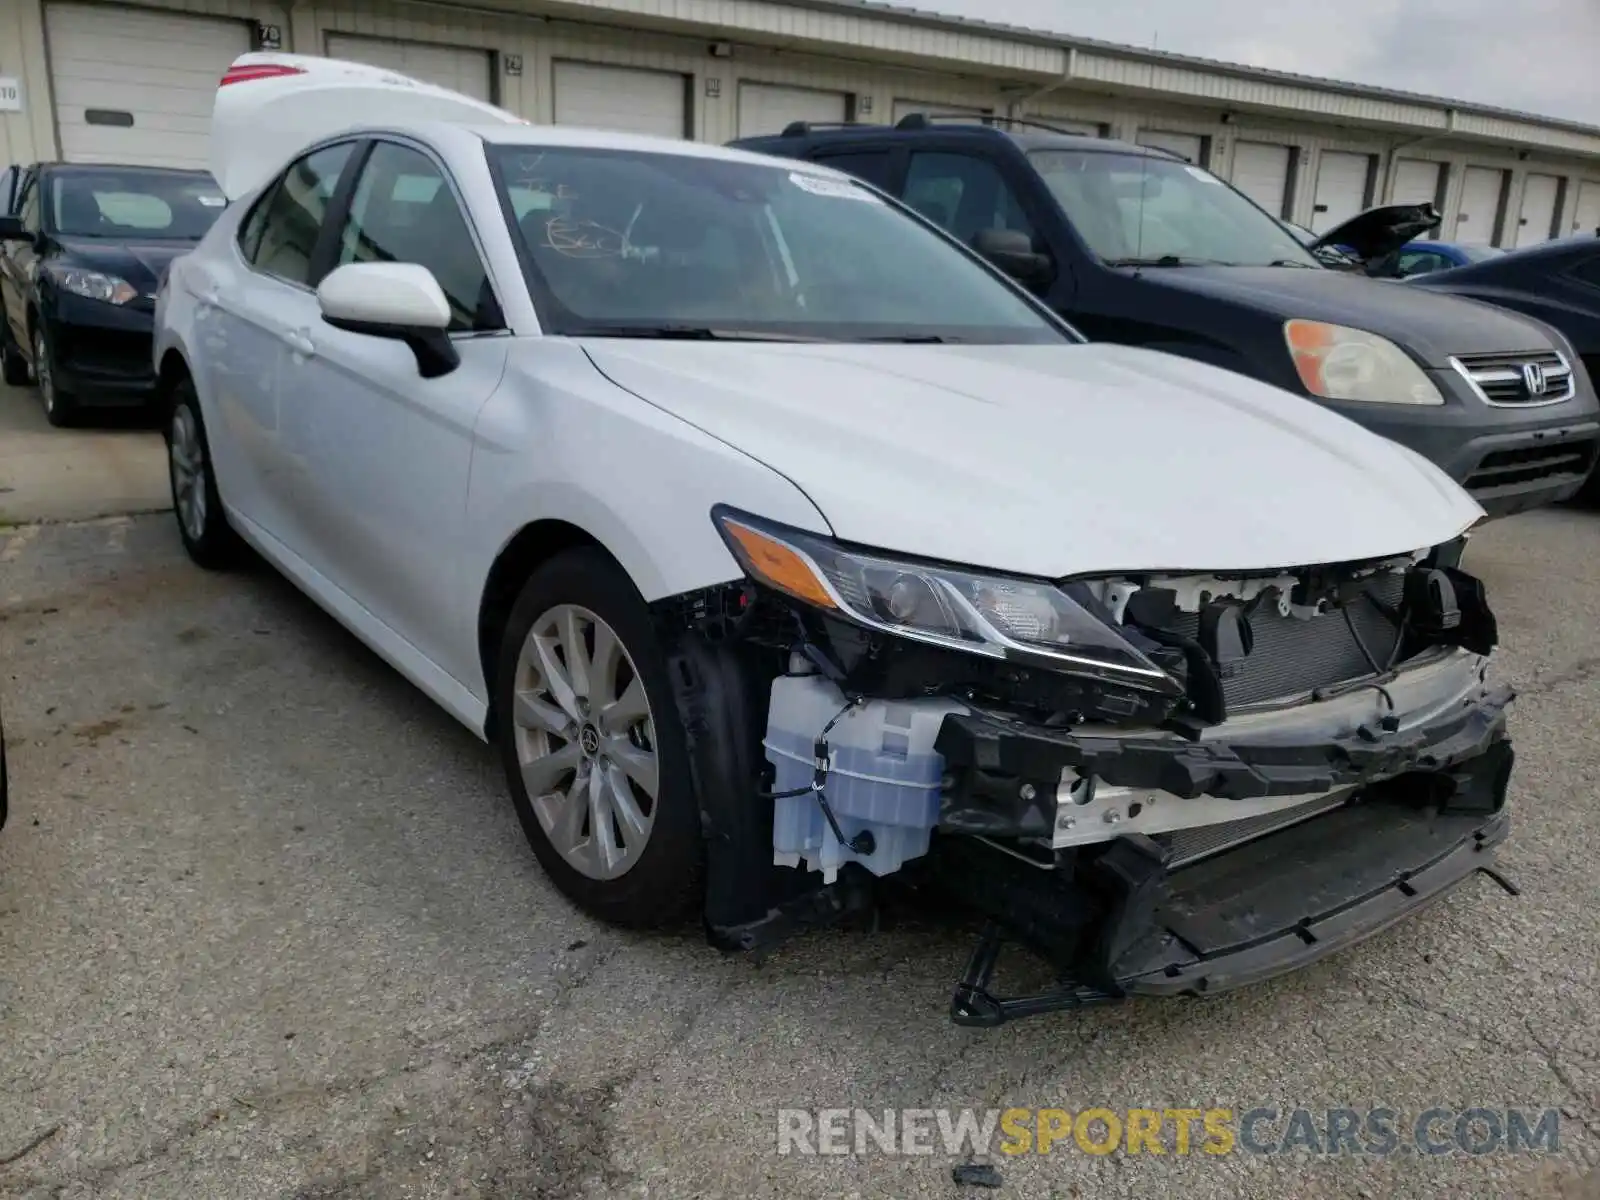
{"x": 1418, "y": 258}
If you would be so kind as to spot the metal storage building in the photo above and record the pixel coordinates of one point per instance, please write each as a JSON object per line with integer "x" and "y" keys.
{"x": 85, "y": 80}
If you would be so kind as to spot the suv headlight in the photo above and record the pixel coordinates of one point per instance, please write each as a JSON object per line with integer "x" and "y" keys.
{"x": 993, "y": 615}
{"x": 1337, "y": 362}
{"x": 92, "y": 285}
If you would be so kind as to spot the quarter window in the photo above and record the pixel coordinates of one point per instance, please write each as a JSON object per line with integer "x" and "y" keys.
{"x": 404, "y": 211}
{"x": 280, "y": 235}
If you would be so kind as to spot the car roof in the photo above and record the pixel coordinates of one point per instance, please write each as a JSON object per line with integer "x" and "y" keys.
{"x": 1026, "y": 135}
{"x": 600, "y": 139}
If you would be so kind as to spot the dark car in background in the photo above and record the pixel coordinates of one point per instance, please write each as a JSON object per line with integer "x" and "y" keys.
{"x": 1135, "y": 245}
{"x": 81, "y": 256}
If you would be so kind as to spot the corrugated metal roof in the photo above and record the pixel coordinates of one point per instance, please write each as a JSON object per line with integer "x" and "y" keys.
{"x": 1044, "y": 37}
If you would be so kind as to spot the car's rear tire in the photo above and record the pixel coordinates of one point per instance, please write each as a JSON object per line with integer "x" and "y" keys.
{"x": 587, "y": 725}
{"x": 59, "y": 408}
{"x": 202, "y": 524}
{"x": 13, "y": 366}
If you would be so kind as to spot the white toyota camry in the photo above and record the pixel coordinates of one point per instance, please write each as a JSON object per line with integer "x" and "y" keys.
{"x": 782, "y": 545}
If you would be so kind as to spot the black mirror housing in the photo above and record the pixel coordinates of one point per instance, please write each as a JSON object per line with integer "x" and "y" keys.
{"x": 436, "y": 354}
{"x": 1012, "y": 251}
{"x": 11, "y": 230}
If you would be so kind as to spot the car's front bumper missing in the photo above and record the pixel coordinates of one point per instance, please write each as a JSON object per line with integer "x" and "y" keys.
{"x": 1415, "y": 812}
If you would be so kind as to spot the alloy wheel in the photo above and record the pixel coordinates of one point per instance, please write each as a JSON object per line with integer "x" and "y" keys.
{"x": 585, "y": 741}
{"x": 44, "y": 373}
{"x": 186, "y": 457}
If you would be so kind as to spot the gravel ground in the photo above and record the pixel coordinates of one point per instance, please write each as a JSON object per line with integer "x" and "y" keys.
{"x": 268, "y": 928}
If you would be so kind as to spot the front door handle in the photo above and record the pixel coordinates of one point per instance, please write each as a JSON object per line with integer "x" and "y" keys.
{"x": 300, "y": 342}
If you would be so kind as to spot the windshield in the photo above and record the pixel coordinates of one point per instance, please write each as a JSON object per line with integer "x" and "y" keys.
{"x": 1135, "y": 208}
{"x": 129, "y": 203}
{"x": 650, "y": 244}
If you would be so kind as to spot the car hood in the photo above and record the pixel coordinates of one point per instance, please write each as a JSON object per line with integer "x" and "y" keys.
{"x": 140, "y": 263}
{"x": 1433, "y": 332}
{"x": 1052, "y": 460}
{"x": 1382, "y": 230}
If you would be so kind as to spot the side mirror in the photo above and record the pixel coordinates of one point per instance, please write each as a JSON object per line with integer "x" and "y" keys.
{"x": 11, "y": 230}
{"x": 1012, "y": 251}
{"x": 402, "y": 301}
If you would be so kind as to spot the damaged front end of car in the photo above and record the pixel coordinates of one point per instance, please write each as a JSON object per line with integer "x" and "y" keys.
{"x": 1162, "y": 783}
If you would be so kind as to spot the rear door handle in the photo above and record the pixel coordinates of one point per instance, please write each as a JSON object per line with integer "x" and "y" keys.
{"x": 300, "y": 342}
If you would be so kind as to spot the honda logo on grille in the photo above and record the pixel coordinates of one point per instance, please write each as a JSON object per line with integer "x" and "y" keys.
{"x": 1533, "y": 378}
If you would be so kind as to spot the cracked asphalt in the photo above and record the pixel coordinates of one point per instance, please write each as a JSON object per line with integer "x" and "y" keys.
{"x": 269, "y": 928}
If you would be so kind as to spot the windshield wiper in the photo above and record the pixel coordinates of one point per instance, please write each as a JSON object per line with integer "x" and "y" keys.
{"x": 686, "y": 333}
{"x": 910, "y": 339}
{"x": 1291, "y": 262}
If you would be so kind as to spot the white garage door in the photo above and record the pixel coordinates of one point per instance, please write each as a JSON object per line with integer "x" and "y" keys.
{"x": 625, "y": 98}
{"x": 1538, "y": 218}
{"x": 1415, "y": 181}
{"x": 767, "y": 107}
{"x": 1341, "y": 188}
{"x": 1086, "y": 128}
{"x": 1261, "y": 171}
{"x": 1586, "y": 217}
{"x": 136, "y": 86}
{"x": 902, "y": 107}
{"x": 1479, "y": 218}
{"x": 1188, "y": 146}
{"x": 460, "y": 69}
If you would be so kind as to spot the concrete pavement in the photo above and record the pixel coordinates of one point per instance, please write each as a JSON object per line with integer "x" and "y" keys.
{"x": 113, "y": 464}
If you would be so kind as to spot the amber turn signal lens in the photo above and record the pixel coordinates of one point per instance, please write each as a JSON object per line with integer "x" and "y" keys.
{"x": 778, "y": 565}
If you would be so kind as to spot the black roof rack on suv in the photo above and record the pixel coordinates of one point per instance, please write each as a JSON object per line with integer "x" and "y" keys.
{"x": 922, "y": 120}
{"x": 801, "y": 128}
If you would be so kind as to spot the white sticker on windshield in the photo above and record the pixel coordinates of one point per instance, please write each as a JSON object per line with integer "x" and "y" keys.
{"x": 213, "y": 201}
{"x": 821, "y": 185}
{"x": 1202, "y": 175}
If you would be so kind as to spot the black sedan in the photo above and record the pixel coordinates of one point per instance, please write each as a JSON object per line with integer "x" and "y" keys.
{"x": 81, "y": 257}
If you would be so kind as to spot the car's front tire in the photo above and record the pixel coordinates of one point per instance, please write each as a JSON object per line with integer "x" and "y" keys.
{"x": 593, "y": 747}
{"x": 59, "y": 408}
{"x": 202, "y": 524}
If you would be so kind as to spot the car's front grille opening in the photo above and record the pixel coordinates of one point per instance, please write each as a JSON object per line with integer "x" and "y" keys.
{"x": 1561, "y": 462}
{"x": 1535, "y": 377}
{"x": 1292, "y": 656}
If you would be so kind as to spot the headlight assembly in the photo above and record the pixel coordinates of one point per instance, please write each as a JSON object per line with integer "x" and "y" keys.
{"x": 92, "y": 285}
{"x": 1003, "y": 618}
{"x": 1337, "y": 362}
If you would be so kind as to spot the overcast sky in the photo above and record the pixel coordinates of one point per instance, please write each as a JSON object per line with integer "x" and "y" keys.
{"x": 1540, "y": 56}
